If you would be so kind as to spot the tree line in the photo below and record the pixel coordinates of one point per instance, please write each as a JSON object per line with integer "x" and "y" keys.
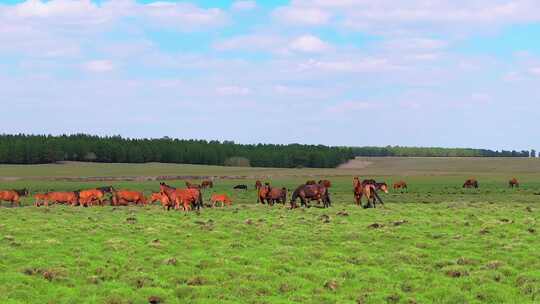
{"x": 40, "y": 149}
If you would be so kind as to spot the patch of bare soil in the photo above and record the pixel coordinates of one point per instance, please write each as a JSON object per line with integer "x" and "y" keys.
{"x": 355, "y": 164}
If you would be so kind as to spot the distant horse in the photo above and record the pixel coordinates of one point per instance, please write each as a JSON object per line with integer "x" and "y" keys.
{"x": 220, "y": 198}
{"x": 310, "y": 192}
{"x": 326, "y": 183}
{"x": 185, "y": 197}
{"x": 276, "y": 195}
{"x": 71, "y": 198}
{"x": 400, "y": 185}
{"x": 470, "y": 183}
{"x": 513, "y": 183}
{"x": 207, "y": 184}
{"x": 124, "y": 197}
{"x": 162, "y": 198}
{"x": 368, "y": 188}
{"x": 88, "y": 197}
{"x": 13, "y": 196}
{"x": 192, "y": 186}
{"x": 240, "y": 187}
{"x": 262, "y": 192}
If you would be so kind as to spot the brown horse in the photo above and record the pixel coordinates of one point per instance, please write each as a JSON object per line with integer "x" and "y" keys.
{"x": 13, "y": 196}
{"x": 41, "y": 199}
{"x": 124, "y": 197}
{"x": 162, "y": 198}
{"x": 185, "y": 197}
{"x": 220, "y": 198}
{"x": 276, "y": 195}
{"x": 262, "y": 192}
{"x": 326, "y": 183}
{"x": 258, "y": 184}
{"x": 90, "y": 196}
{"x": 470, "y": 183}
{"x": 311, "y": 182}
{"x": 192, "y": 186}
{"x": 368, "y": 188}
{"x": 310, "y": 192}
{"x": 207, "y": 184}
{"x": 513, "y": 183}
{"x": 400, "y": 185}
{"x": 71, "y": 198}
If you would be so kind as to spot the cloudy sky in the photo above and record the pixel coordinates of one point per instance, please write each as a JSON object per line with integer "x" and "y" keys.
{"x": 453, "y": 73}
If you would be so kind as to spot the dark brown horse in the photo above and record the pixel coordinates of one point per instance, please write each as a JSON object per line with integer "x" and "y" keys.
{"x": 308, "y": 193}
{"x": 368, "y": 188}
{"x": 311, "y": 182}
{"x": 470, "y": 183}
{"x": 326, "y": 183}
{"x": 513, "y": 183}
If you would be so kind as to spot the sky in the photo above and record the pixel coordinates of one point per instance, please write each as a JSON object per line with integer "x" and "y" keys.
{"x": 449, "y": 73}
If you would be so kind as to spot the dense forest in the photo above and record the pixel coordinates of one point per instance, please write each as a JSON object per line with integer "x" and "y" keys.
{"x": 36, "y": 149}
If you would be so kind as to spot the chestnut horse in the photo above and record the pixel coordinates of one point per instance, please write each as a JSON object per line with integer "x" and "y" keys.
{"x": 88, "y": 197}
{"x": 276, "y": 195}
{"x": 310, "y": 192}
{"x": 13, "y": 196}
{"x": 220, "y": 198}
{"x": 513, "y": 183}
{"x": 400, "y": 185}
{"x": 262, "y": 192}
{"x": 258, "y": 184}
{"x": 186, "y": 197}
{"x": 71, "y": 198}
{"x": 124, "y": 197}
{"x": 41, "y": 199}
{"x": 162, "y": 198}
{"x": 470, "y": 183}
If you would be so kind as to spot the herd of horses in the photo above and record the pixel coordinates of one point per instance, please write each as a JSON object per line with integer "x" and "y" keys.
{"x": 191, "y": 197}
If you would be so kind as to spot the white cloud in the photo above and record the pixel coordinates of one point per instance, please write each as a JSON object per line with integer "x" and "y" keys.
{"x": 305, "y": 15}
{"x": 309, "y": 44}
{"x": 244, "y": 5}
{"x": 535, "y": 71}
{"x": 351, "y": 106}
{"x": 98, "y": 66}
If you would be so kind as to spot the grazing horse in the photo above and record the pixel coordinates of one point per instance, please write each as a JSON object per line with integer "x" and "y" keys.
{"x": 124, "y": 197}
{"x": 207, "y": 184}
{"x": 262, "y": 192}
{"x": 276, "y": 195}
{"x": 368, "y": 188}
{"x": 185, "y": 197}
{"x": 258, "y": 184}
{"x": 71, "y": 198}
{"x": 162, "y": 198}
{"x": 470, "y": 183}
{"x": 41, "y": 199}
{"x": 326, "y": 183}
{"x": 220, "y": 198}
{"x": 400, "y": 185}
{"x": 310, "y": 192}
{"x": 192, "y": 186}
{"x": 13, "y": 196}
{"x": 513, "y": 183}
{"x": 88, "y": 197}
{"x": 240, "y": 187}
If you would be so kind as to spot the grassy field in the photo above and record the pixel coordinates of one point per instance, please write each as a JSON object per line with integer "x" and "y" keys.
{"x": 436, "y": 243}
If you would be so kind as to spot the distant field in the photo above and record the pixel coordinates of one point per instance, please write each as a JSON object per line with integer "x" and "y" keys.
{"x": 435, "y": 243}
{"x": 401, "y": 166}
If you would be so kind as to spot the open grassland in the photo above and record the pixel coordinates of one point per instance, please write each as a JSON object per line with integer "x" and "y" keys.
{"x": 436, "y": 243}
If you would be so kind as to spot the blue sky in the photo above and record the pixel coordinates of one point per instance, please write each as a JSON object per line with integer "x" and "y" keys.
{"x": 337, "y": 72}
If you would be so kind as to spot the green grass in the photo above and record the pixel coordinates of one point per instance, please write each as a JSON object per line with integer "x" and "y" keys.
{"x": 438, "y": 243}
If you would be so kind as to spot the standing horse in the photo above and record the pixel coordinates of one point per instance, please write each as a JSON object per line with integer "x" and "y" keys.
{"x": 124, "y": 197}
{"x": 276, "y": 195}
{"x": 368, "y": 188}
{"x": 207, "y": 184}
{"x": 71, "y": 198}
{"x": 262, "y": 192}
{"x": 310, "y": 192}
{"x": 88, "y": 197}
{"x": 13, "y": 196}
{"x": 186, "y": 197}
{"x": 470, "y": 183}
{"x": 162, "y": 198}
{"x": 258, "y": 184}
{"x": 400, "y": 185}
{"x": 513, "y": 183}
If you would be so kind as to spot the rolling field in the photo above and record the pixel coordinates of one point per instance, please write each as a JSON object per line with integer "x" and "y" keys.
{"x": 436, "y": 243}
